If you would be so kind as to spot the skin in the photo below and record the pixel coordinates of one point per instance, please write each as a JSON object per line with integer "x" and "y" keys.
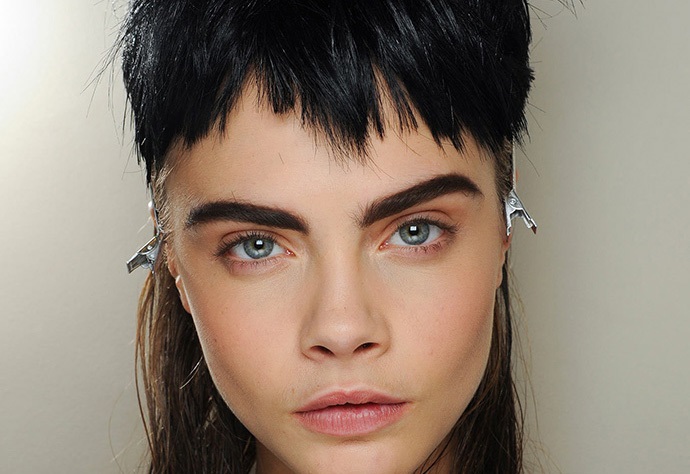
{"x": 344, "y": 306}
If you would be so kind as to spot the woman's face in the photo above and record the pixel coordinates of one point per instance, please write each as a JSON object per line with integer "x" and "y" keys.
{"x": 345, "y": 310}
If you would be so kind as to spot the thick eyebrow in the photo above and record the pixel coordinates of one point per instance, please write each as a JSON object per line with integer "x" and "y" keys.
{"x": 244, "y": 212}
{"x": 418, "y": 194}
{"x": 380, "y": 209}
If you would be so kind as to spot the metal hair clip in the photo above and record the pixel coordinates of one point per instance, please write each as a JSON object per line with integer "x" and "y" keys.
{"x": 514, "y": 207}
{"x": 146, "y": 256}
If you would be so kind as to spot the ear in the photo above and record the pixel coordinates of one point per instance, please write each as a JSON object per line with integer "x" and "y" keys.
{"x": 505, "y": 245}
{"x": 173, "y": 268}
{"x": 507, "y": 240}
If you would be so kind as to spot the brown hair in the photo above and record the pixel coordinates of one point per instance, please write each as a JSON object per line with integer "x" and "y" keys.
{"x": 190, "y": 428}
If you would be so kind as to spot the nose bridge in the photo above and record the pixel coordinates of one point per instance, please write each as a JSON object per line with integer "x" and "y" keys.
{"x": 343, "y": 321}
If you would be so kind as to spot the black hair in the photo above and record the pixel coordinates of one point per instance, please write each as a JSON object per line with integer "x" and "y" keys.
{"x": 461, "y": 65}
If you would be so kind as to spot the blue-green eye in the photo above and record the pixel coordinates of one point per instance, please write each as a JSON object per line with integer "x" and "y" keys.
{"x": 255, "y": 247}
{"x": 415, "y": 233}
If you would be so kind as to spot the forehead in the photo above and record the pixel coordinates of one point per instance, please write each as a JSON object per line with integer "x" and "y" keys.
{"x": 273, "y": 159}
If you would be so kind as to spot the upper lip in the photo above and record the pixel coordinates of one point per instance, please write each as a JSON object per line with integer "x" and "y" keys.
{"x": 353, "y": 397}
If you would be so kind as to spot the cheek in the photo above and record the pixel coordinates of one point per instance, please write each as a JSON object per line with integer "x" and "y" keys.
{"x": 456, "y": 330}
{"x": 460, "y": 337}
{"x": 242, "y": 334}
{"x": 448, "y": 325}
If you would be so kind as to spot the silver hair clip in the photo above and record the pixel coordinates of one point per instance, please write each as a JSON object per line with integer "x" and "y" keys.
{"x": 147, "y": 255}
{"x": 514, "y": 207}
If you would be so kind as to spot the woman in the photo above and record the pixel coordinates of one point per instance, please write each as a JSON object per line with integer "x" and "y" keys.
{"x": 332, "y": 184}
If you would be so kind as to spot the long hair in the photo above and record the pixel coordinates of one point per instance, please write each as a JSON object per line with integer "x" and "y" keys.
{"x": 189, "y": 427}
{"x": 460, "y": 66}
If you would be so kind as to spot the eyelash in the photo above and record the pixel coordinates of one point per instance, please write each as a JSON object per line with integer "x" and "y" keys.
{"x": 223, "y": 252}
{"x": 226, "y": 247}
{"x": 434, "y": 246}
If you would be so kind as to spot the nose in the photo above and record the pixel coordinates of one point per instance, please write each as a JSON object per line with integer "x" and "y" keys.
{"x": 344, "y": 320}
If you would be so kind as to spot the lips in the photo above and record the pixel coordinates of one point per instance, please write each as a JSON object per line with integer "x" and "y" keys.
{"x": 348, "y": 414}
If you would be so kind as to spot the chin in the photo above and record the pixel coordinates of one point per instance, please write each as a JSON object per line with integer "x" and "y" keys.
{"x": 349, "y": 457}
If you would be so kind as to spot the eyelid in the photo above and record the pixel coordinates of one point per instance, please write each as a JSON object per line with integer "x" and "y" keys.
{"x": 447, "y": 228}
{"x": 227, "y": 245}
{"x": 239, "y": 266}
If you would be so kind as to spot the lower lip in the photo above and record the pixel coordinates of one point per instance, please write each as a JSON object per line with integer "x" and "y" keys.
{"x": 352, "y": 420}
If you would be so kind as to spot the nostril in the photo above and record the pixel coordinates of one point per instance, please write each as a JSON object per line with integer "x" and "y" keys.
{"x": 323, "y": 350}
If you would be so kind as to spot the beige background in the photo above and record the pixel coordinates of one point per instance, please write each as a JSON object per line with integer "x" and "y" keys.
{"x": 607, "y": 175}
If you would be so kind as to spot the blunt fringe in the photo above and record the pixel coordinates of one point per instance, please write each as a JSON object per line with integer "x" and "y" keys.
{"x": 460, "y": 66}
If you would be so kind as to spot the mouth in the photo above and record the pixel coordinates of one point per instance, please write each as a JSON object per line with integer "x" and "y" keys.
{"x": 347, "y": 414}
